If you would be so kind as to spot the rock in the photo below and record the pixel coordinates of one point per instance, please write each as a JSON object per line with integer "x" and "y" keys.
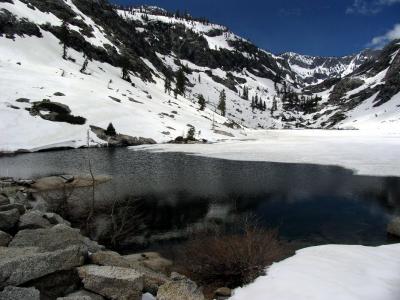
{"x": 180, "y": 288}
{"x": 8, "y": 219}
{"x": 57, "y": 284}
{"x": 4, "y": 200}
{"x": 152, "y": 280}
{"x": 33, "y": 219}
{"x": 112, "y": 282}
{"x": 82, "y": 295}
{"x": 56, "y": 219}
{"x": 223, "y": 293}
{"x": 57, "y": 237}
{"x": 109, "y": 258}
{"x": 18, "y": 293}
{"x": 5, "y": 239}
{"x": 21, "y": 209}
{"x": 20, "y": 265}
{"x": 39, "y": 203}
{"x": 152, "y": 260}
{"x": 394, "y": 226}
{"x": 21, "y": 198}
{"x": 119, "y": 140}
{"x": 64, "y": 181}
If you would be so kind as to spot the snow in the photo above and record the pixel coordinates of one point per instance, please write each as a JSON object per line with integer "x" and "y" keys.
{"x": 23, "y": 11}
{"x": 32, "y": 68}
{"x": 331, "y": 272}
{"x": 364, "y": 152}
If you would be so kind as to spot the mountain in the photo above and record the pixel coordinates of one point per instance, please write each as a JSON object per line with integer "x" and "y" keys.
{"x": 316, "y": 69}
{"x": 71, "y": 67}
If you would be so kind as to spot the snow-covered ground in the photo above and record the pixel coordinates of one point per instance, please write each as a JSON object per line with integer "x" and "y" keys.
{"x": 365, "y": 152}
{"x": 332, "y": 272}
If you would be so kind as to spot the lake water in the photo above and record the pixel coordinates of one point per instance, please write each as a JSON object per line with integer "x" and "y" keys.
{"x": 177, "y": 192}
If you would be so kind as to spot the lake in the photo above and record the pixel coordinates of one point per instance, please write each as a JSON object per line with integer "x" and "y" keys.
{"x": 176, "y": 192}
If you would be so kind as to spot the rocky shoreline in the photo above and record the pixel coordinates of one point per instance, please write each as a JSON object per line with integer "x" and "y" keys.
{"x": 43, "y": 257}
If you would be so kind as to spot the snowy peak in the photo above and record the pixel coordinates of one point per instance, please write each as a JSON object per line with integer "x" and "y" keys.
{"x": 316, "y": 69}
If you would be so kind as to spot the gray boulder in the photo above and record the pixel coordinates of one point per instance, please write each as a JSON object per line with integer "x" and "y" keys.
{"x": 180, "y": 288}
{"x": 50, "y": 239}
{"x": 5, "y": 239}
{"x": 57, "y": 284}
{"x": 151, "y": 260}
{"x": 33, "y": 219}
{"x": 112, "y": 282}
{"x": 8, "y": 219}
{"x": 82, "y": 295}
{"x": 4, "y": 200}
{"x": 18, "y": 293}
{"x": 394, "y": 226}
{"x": 152, "y": 280}
{"x": 20, "y": 265}
{"x": 21, "y": 209}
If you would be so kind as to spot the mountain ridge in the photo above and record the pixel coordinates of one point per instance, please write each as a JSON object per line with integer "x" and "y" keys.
{"x": 130, "y": 54}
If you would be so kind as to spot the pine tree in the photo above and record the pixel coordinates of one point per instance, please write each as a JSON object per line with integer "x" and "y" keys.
{"x": 111, "y": 130}
{"x": 167, "y": 84}
{"x": 222, "y": 102}
{"x": 85, "y": 64}
{"x": 181, "y": 82}
{"x": 202, "y": 102}
{"x": 64, "y": 38}
{"x": 190, "y": 134}
{"x": 125, "y": 65}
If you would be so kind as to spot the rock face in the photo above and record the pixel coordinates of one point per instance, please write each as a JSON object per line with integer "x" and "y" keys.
{"x": 8, "y": 219}
{"x": 50, "y": 239}
{"x": 5, "y": 239}
{"x": 20, "y": 265}
{"x": 180, "y": 288}
{"x": 394, "y": 227}
{"x": 112, "y": 282}
{"x": 17, "y": 293}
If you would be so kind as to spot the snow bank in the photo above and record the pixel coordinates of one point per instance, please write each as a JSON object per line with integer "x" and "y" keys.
{"x": 334, "y": 272}
{"x": 365, "y": 152}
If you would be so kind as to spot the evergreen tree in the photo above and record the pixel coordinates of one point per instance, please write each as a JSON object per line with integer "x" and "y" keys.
{"x": 245, "y": 95}
{"x": 222, "y": 102}
{"x": 181, "y": 82}
{"x": 64, "y": 38}
{"x": 85, "y": 64}
{"x": 190, "y": 134}
{"x": 167, "y": 84}
{"x": 111, "y": 130}
{"x": 125, "y": 65}
{"x": 202, "y": 102}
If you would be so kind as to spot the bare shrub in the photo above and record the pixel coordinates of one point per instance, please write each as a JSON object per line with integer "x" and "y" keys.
{"x": 127, "y": 219}
{"x": 231, "y": 259}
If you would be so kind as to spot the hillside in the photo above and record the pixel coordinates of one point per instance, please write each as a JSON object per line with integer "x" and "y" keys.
{"x": 63, "y": 62}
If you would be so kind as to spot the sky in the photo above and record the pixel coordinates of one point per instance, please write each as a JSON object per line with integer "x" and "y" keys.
{"x": 313, "y": 27}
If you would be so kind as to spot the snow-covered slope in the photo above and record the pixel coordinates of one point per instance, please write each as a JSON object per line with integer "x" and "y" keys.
{"x": 152, "y": 45}
{"x": 330, "y": 272}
